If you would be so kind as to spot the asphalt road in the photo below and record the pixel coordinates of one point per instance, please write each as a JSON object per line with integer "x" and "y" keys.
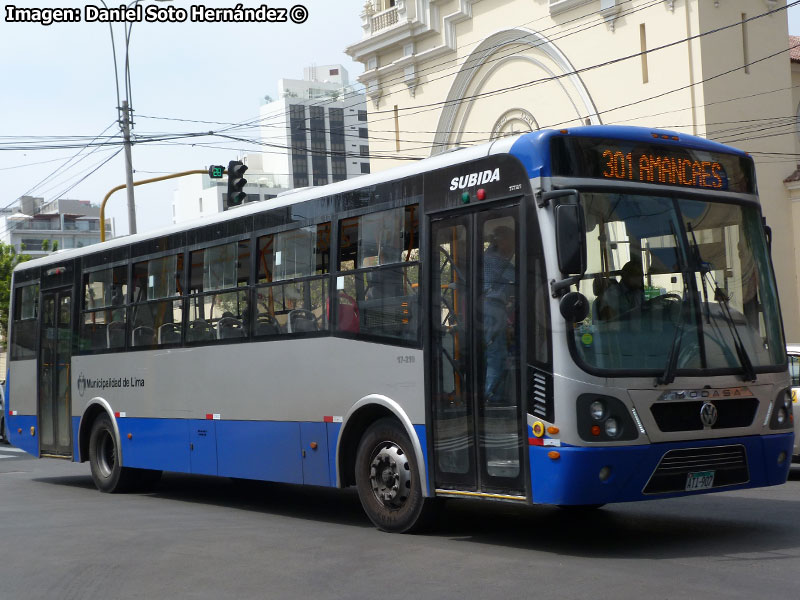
{"x": 200, "y": 537}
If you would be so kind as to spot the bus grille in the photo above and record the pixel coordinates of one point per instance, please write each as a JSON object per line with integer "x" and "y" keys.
{"x": 729, "y": 464}
{"x": 685, "y": 416}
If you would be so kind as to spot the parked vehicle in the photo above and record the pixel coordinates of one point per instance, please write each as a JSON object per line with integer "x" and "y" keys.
{"x": 793, "y": 350}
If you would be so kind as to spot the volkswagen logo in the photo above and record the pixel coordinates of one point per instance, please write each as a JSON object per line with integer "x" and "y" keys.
{"x": 708, "y": 414}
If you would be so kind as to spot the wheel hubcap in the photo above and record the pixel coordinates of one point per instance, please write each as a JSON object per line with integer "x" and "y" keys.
{"x": 390, "y": 475}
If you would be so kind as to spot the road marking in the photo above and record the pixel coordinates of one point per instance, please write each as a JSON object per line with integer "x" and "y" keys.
{"x": 10, "y": 449}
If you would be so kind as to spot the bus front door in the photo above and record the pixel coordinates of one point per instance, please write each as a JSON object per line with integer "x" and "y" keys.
{"x": 474, "y": 358}
{"x": 55, "y": 431}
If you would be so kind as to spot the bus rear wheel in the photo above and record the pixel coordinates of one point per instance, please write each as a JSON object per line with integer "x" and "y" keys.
{"x": 387, "y": 477}
{"x": 107, "y": 473}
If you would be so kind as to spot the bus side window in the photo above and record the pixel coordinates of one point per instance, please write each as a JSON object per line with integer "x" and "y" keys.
{"x": 219, "y": 277}
{"x": 379, "y": 280}
{"x": 26, "y": 310}
{"x": 292, "y": 286}
{"x": 103, "y": 310}
{"x": 156, "y": 310}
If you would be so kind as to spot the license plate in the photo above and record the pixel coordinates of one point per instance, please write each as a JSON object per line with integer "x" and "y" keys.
{"x": 700, "y": 480}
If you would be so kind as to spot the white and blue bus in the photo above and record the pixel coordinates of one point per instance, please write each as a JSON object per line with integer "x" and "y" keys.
{"x": 572, "y": 317}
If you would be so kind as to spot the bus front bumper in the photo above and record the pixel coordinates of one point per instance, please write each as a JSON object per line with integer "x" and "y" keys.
{"x": 601, "y": 475}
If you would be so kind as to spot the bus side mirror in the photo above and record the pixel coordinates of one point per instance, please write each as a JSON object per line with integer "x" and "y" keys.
{"x": 570, "y": 239}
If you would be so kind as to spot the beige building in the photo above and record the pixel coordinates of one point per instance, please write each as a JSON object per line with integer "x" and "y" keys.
{"x": 447, "y": 73}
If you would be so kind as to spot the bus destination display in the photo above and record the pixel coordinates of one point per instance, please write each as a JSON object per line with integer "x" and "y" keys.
{"x": 618, "y": 160}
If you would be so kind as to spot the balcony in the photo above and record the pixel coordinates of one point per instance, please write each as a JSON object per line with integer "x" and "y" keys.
{"x": 383, "y": 20}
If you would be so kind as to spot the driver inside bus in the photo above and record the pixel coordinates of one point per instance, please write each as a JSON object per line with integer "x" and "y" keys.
{"x": 629, "y": 294}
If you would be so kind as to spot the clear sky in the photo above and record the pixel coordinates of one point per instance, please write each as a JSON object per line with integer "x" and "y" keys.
{"x": 58, "y": 80}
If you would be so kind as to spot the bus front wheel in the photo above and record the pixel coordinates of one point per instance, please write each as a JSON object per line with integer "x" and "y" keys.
{"x": 108, "y": 474}
{"x": 387, "y": 477}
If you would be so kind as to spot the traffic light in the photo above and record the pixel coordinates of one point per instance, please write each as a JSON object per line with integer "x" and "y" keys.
{"x": 236, "y": 182}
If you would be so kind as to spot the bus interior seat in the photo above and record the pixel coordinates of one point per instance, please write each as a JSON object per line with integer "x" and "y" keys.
{"x": 169, "y": 333}
{"x": 115, "y": 334}
{"x": 301, "y": 320}
{"x": 267, "y": 325}
{"x": 144, "y": 335}
{"x": 230, "y": 327}
{"x": 96, "y": 335}
{"x": 200, "y": 331}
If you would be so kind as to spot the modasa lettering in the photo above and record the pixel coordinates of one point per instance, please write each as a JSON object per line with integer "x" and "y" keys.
{"x": 479, "y": 178}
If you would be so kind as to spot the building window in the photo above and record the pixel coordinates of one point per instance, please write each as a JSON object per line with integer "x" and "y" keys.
{"x": 364, "y": 150}
{"x": 200, "y": 204}
{"x": 362, "y": 132}
{"x": 297, "y": 124}
{"x": 365, "y": 168}
{"x": 319, "y": 147}
{"x": 362, "y": 115}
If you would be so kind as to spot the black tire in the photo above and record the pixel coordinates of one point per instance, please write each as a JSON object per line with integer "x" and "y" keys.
{"x": 108, "y": 474}
{"x": 387, "y": 477}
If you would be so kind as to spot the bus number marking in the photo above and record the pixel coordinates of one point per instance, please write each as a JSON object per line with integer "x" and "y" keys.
{"x": 405, "y": 360}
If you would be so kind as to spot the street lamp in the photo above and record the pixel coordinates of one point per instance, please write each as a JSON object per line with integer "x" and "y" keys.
{"x": 125, "y": 111}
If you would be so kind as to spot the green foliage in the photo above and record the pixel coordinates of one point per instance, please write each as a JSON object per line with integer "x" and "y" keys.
{"x": 8, "y": 260}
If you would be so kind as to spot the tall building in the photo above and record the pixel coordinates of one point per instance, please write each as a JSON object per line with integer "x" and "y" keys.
{"x": 317, "y": 129}
{"x": 37, "y": 225}
{"x": 462, "y": 72}
{"x": 314, "y": 134}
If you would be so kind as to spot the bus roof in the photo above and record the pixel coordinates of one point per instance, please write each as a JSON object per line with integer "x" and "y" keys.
{"x": 530, "y": 148}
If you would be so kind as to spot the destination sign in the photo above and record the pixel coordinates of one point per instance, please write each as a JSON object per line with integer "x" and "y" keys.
{"x": 653, "y": 163}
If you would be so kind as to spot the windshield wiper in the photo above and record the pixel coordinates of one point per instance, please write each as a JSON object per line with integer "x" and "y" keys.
{"x": 748, "y": 372}
{"x": 668, "y": 376}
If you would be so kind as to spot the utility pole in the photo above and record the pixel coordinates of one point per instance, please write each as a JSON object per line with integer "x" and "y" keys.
{"x": 126, "y": 136}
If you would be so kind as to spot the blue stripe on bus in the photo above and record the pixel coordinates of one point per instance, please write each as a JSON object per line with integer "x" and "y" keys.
{"x": 573, "y": 478}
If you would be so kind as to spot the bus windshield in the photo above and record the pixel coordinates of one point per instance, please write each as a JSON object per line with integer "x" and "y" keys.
{"x": 676, "y": 284}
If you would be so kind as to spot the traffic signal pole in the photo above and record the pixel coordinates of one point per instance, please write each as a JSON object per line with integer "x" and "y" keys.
{"x": 135, "y": 183}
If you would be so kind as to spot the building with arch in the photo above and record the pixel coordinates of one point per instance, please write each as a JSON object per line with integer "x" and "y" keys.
{"x": 446, "y": 73}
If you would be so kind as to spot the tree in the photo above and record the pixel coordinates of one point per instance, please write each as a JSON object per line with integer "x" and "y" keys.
{"x": 8, "y": 260}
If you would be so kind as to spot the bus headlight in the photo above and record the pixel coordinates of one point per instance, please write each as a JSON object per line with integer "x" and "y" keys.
{"x": 782, "y": 417}
{"x": 597, "y": 409}
{"x": 604, "y": 419}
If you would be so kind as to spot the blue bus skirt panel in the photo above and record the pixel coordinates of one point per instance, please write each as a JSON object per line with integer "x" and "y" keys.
{"x": 574, "y": 477}
{"x": 19, "y": 433}
{"x": 288, "y": 452}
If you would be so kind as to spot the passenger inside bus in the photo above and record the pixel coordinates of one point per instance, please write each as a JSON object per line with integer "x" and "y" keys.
{"x": 498, "y": 289}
